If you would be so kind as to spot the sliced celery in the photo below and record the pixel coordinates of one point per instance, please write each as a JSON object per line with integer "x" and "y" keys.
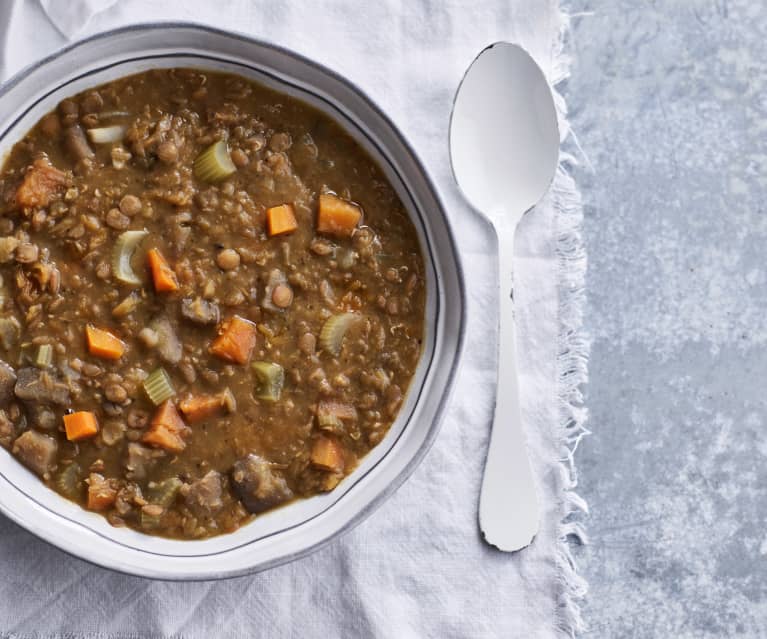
{"x": 158, "y": 386}
{"x": 270, "y": 378}
{"x": 214, "y": 163}
{"x": 164, "y": 493}
{"x": 123, "y": 252}
{"x": 68, "y": 480}
{"x": 44, "y": 356}
{"x": 329, "y": 421}
{"x": 334, "y": 330}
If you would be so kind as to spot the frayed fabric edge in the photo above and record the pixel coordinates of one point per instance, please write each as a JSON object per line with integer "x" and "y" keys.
{"x": 572, "y": 354}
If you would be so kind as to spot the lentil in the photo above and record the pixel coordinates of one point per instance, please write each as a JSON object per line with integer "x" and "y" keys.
{"x": 130, "y": 205}
{"x": 228, "y": 259}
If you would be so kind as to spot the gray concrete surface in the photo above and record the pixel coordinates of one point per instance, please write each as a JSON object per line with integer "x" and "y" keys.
{"x": 669, "y": 100}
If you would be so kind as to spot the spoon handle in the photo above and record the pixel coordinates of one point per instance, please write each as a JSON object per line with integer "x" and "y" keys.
{"x": 508, "y": 506}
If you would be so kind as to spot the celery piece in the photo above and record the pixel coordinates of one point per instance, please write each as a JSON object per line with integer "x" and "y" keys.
{"x": 158, "y": 386}
{"x": 334, "y": 330}
{"x": 44, "y": 356}
{"x": 270, "y": 378}
{"x": 123, "y": 252}
{"x": 214, "y": 163}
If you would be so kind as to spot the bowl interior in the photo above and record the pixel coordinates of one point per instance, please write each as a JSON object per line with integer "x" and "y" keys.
{"x": 299, "y": 526}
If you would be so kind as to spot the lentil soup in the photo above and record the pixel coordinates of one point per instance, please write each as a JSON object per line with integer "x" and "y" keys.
{"x": 212, "y": 301}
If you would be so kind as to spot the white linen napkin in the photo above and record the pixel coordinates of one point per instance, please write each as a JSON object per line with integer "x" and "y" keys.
{"x": 417, "y": 567}
{"x": 72, "y": 16}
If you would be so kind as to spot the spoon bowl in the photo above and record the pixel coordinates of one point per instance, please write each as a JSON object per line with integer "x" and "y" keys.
{"x": 504, "y": 138}
{"x": 504, "y": 151}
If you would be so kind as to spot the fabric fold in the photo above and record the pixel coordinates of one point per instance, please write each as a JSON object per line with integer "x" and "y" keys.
{"x": 70, "y": 17}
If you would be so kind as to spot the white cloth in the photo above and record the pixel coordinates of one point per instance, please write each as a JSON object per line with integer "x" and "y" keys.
{"x": 72, "y": 16}
{"x": 417, "y": 567}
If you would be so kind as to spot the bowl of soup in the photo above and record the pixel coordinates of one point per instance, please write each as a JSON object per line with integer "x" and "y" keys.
{"x": 232, "y": 307}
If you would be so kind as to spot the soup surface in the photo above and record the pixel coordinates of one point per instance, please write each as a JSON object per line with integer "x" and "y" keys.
{"x": 212, "y": 301}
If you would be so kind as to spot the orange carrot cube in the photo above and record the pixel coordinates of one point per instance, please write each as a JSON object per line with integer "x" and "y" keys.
{"x": 281, "y": 220}
{"x": 337, "y": 216}
{"x": 195, "y": 409}
{"x": 164, "y": 278}
{"x": 167, "y": 430}
{"x": 328, "y": 454}
{"x": 103, "y": 343}
{"x": 236, "y": 340}
{"x": 101, "y": 492}
{"x": 80, "y": 425}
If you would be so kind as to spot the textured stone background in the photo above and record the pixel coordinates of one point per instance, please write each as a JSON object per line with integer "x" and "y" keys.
{"x": 669, "y": 100}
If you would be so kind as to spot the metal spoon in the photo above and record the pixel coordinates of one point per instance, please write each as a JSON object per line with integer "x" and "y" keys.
{"x": 504, "y": 149}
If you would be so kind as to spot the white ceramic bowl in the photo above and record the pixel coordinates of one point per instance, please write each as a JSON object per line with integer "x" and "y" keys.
{"x": 306, "y": 525}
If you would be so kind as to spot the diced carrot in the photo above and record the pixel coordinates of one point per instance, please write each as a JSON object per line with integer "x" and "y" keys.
{"x": 167, "y": 430}
{"x": 281, "y": 220}
{"x": 236, "y": 340}
{"x": 328, "y": 454}
{"x": 197, "y": 408}
{"x": 41, "y": 182}
{"x": 167, "y": 414}
{"x": 80, "y": 425}
{"x": 162, "y": 274}
{"x": 101, "y": 492}
{"x": 337, "y": 216}
{"x": 103, "y": 343}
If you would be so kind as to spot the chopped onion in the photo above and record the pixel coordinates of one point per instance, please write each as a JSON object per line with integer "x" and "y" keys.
{"x": 270, "y": 379}
{"x": 123, "y": 252}
{"x": 228, "y": 400}
{"x": 107, "y": 134}
{"x": 214, "y": 163}
{"x": 334, "y": 330}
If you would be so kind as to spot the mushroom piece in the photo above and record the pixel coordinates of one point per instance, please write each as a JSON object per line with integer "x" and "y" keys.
{"x": 34, "y": 384}
{"x": 36, "y": 451}
{"x": 76, "y": 143}
{"x": 200, "y": 311}
{"x": 204, "y": 495}
{"x": 7, "y": 382}
{"x": 257, "y": 485}
{"x": 276, "y": 280}
{"x": 168, "y": 345}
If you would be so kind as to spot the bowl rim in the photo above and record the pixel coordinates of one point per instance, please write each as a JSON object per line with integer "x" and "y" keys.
{"x": 433, "y": 428}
